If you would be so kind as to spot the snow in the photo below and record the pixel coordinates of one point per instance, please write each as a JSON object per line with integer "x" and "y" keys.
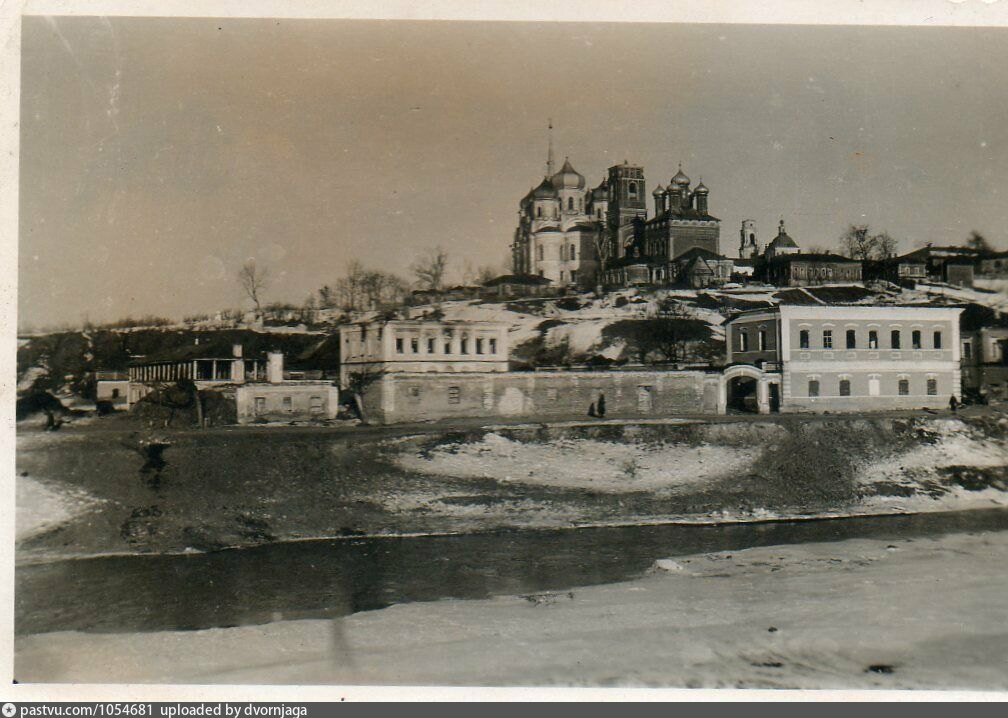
{"x": 584, "y": 463}
{"x": 807, "y": 616}
{"x": 40, "y": 508}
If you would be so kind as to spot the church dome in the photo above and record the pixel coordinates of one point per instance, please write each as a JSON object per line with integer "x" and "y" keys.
{"x": 658, "y": 191}
{"x": 702, "y": 188}
{"x": 782, "y": 240}
{"x": 545, "y": 190}
{"x": 568, "y": 177}
{"x": 600, "y": 193}
{"x": 680, "y": 178}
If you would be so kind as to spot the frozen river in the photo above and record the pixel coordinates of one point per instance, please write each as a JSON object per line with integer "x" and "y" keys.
{"x": 319, "y": 579}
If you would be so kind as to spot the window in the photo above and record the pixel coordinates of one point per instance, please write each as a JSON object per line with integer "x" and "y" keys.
{"x": 539, "y": 214}
{"x": 399, "y": 345}
{"x": 827, "y": 339}
{"x": 932, "y": 387}
{"x": 743, "y": 341}
{"x": 561, "y": 275}
{"x": 762, "y": 340}
{"x": 288, "y": 404}
{"x": 115, "y": 393}
{"x": 413, "y": 392}
{"x": 479, "y": 345}
{"x": 260, "y": 405}
{"x": 872, "y": 339}
{"x": 632, "y": 189}
{"x": 967, "y": 350}
{"x": 937, "y": 340}
{"x": 803, "y": 339}
{"x": 539, "y": 250}
{"x": 414, "y": 345}
{"x": 573, "y": 275}
{"x": 493, "y": 345}
{"x": 315, "y": 405}
{"x": 894, "y": 339}
{"x": 813, "y": 387}
{"x": 454, "y": 395}
{"x": 851, "y": 339}
{"x": 845, "y": 387}
{"x": 465, "y": 345}
{"x": 431, "y": 345}
{"x": 573, "y": 252}
{"x": 570, "y": 203}
{"x": 904, "y": 387}
{"x": 915, "y": 339}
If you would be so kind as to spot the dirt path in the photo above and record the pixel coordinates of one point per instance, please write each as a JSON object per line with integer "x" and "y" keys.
{"x": 925, "y": 613}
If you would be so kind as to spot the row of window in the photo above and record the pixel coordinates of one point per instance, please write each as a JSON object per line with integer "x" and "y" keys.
{"x": 851, "y": 340}
{"x": 566, "y": 253}
{"x": 482, "y": 345}
{"x": 902, "y": 387}
{"x": 315, "y": 405}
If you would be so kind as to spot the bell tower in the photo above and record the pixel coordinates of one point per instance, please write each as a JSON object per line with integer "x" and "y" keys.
{"x": 749, "y": 244}
{"x": 627, "y": 203}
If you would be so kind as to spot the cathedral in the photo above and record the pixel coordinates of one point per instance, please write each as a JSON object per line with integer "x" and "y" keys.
{"x": 577, "y": 236}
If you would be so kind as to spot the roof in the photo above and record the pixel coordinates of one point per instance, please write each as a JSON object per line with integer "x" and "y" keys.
{"x": 814, "y": 257}
{"x": 683, "y": 213}
{"x": 545, "y": 190}
{"x": 528, "y": 279}
{"x": 700, "y": 253}
{"x": 932, "y": 251}
{"x": 783, "y": 240}
{"x": 211, "y": 348}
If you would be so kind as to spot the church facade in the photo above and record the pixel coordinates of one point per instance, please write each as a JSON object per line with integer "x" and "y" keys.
{"x": 578, "y": 237}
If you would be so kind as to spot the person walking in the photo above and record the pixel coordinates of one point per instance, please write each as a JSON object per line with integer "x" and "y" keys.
{"x": 953, "y": 403}
{"x": 600, "y": 406}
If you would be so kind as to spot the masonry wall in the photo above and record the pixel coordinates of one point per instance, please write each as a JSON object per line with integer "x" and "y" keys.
{"x": 286, "y": 401}
{"x": 797, "y": 394}
{"x": 540, "y": 395}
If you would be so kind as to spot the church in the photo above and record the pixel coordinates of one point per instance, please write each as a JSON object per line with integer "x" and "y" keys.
{"x": 577, "y": 236}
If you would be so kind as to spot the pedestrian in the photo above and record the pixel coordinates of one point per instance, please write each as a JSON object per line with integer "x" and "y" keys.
{"x": 600, "y": 407}
{"x": 591, "y": 409}
{"x": 953, "y": 403}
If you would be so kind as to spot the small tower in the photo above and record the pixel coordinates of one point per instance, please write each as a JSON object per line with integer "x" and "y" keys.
{"x": 748, "y": 245}
{"x": 659, "y": 200}
{"x": 701, "y": 193}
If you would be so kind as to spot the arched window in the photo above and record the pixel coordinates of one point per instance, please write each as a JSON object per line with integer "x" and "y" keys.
{"x": 573, "y": 252}
{"x": 570, "y": 203}
{"x": 539, "y": 211}
{"x": 632, "y": 190}
{"x": 845, "y": 387}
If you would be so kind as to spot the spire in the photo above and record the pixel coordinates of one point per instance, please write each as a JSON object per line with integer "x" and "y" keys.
{"x": 549, "y": 151}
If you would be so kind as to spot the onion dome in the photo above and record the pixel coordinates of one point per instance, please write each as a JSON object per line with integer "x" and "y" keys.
{"x": 702, "y": 188}
{"x": 680, "y": 178}
{"x": 600, "y": 193}
{"x": 568, "y": 177}
{"x": 545, "y": 190}
{"x": 658, "y": 191}
{"x": 671, "y": 189}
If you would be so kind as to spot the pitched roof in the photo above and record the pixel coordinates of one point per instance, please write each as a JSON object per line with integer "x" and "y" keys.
{"x": 699, "y": 252}
{"x": 530, "y": 279}
{"x": 814, "y": 257}
{"x": 682, "y": 213}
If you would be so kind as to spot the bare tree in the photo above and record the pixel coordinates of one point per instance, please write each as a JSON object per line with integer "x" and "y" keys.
{"x": 253, "y": 282}
{"x": 430, "y": 270}
{"x": 603, "y": 251}
{"x": 858, "y": 243}
{"x": 978, "y": 243}
{"x": 357, "y": 384}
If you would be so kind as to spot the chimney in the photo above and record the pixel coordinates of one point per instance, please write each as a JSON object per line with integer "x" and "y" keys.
{"x": 237, "y": 365}
{"x": 274, "y": 367}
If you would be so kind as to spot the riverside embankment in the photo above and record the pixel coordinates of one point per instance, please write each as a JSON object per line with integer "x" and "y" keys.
{"x": 129, "y": 491}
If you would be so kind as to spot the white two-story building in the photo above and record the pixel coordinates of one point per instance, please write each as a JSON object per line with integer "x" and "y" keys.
{"x": 843, "y": 358}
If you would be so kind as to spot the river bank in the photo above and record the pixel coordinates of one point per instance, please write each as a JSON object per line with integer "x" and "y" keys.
{"x": 204, "y": 491}
{"x": 921, "y": 613}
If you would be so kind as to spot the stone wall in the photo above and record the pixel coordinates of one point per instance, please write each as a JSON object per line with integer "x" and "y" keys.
{"x": 541, "y": 395}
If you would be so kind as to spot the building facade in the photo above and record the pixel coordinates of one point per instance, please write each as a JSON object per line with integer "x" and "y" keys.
{"x": 850, "y": 358}
{"x": 422, "y": 346}
{"x": 803, "y": 270}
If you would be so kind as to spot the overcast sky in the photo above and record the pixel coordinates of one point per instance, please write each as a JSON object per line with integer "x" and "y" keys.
{"x": 159, "y": 154}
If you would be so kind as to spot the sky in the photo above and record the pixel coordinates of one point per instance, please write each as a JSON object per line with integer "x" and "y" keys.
{"x": 159, "y": 154}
